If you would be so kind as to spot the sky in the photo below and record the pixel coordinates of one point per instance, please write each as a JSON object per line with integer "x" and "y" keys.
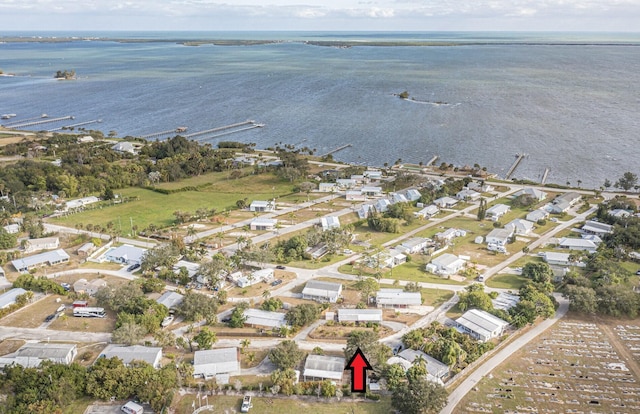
{"x": 315, "y": 15}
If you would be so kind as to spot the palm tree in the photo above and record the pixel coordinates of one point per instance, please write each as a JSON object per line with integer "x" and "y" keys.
{"x": 251, "y": 357}
{"x": 266, "y": 294}
{"x": 244, "y": 344}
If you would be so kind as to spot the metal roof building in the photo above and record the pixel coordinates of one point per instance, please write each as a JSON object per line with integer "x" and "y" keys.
{"x": 42, "y": 259}
{"x": 360, "y": 315}
{"x": 321, "y": 367}
{"x": 397, "y": 298}
{"x": 126, "y": 254}
{"x": 32, "y": 354}
{"x": 481, "y": 325}
{"x": 128, "y": 354}
{"x": 330, "y": 222}
{"x": 322, "y": 291}
{"x": 9, "y": 298}
{"x": 210, "y": 363}
{"x": 170, "y": 299}
{"x": 434, "y": 367}
{"x": 258, "y": 317}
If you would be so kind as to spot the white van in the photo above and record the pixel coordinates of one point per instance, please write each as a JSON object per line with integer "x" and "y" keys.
{"x": 132, "y": 408}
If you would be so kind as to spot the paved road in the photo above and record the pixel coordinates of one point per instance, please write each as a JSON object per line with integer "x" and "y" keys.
{"x": 48, "y": 334}
{"x": 474, "y": 378}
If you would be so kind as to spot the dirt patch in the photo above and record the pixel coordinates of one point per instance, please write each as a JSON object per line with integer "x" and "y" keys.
{"x": 10, "y": 345}
{"x": 33, "y": 315}
{"x": 340, "y": 331}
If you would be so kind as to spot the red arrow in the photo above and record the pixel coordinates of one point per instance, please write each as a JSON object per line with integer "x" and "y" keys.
{"x": 358, "y": 366}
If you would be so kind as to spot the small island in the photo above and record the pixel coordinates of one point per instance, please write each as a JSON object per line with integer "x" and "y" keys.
{"x": 406, "y": 97}
{"x": 65, "y": 74}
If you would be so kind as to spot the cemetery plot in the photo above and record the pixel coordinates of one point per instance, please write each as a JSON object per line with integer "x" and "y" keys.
{"x": 576, "y": 367}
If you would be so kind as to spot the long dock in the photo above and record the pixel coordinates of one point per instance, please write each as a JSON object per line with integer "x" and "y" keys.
{"x": 20, "y": 121}
{"x": 222, "y": 128}
{"x": 544, "y": 176}
{"x": 167, "y": 132}
{"x": 44, "y": 121}
{"x": 337, "y": 149}
{"x": 234, "y": 131}
{"x": 432, "y": 160}
{"x": 93, "y": 121}
{"x": 519, "y": 158}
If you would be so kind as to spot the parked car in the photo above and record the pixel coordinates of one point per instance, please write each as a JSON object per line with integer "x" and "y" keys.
{"x": 638, "y": 273}
{"x": 280, "y": 267}
{"x": 167, "y": 321}
{"x": 246, "y": 404}
{"x": 50, "y": 317}
{"x": 133, "y": 267}
{"x": 276, "y": 282}
{"x": 65, "y": 286}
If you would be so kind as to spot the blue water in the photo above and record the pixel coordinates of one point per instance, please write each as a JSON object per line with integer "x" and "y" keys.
{"x": 571, "y": 107}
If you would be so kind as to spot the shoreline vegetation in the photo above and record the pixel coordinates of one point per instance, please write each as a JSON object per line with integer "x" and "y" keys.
{"x": 342, "y": 44}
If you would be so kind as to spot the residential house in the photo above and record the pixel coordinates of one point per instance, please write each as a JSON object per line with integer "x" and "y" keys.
{"x": 386, "y": 259}
{"x": 481, "y": 325}
{"x": 263, "y": 224}
{"x": 12, "y": 228}
{"x": 346, "y": 183}
{"x": 620, "y": 213}
{"x": 360, "y": 315}
{"x": 480, "y": 187}
{"x": 42, "y": 259}
{"x": 382, "y": 205}
{"x": 327, "y": 187}
{"x": 495, "y": 213}
{"x": 84, "y": 139}
{"x": 81, "y": 202}
{"x": 397, "y": 298}
{"x": 322, "y": 367}
{"x": 398, "y": 198}
{"x": 427, "y": 212}
{"x": 358, "y": 178}
{"x": 372, "y": 191}
{"x": 365, "y": 210}
{"x": 468, "y": 195}
{"x": 532, "y": 192}
{"x": 128, "y": 354}
{"x": 191, "y": 267}
{"x": 435, "y": 368}
{"x": 564, "y": 202}
{"x": 258, "y": 318}
{"x": 31, "y": 355}
{"x": 597, "y": 228}
{"x": 211, "y": 363}
{"x": 330, "y": 222}
{"x": 577, "y": 244}
{"x": 499, "y": 237}
{"x": 373, "y": 174}
{"x": 557, "y": 259}
{"x": 446, "y": 264}
{"x": 45, "y": 243}
{"x": 126, "y": 254}
{"x": 86, "y": 249}
{"x": 354, "y": 195}
{"x": 414, "y": 245}
{"x": 520, "y": 227}
{"x": 318, "y": 250}
{"x": 262, "y": 206}
{"x": 9, "y": 298}
{"x": 322, "y": 291}
{"x": 537, "y": 215}
{"x": 262, "y": 275}
{"x": 445, "y": 202}
{"x": 449, "y": 234}
{"x": 90, "y": 288}
{"x": 505, "y": 301}
{"x": 412, "y": 194}
{"x": 124, "y": 147}
{"x": 170, "y": 300}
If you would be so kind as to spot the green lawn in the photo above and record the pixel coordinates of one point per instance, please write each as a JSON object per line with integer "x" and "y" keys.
{"x": 506, "y": 281}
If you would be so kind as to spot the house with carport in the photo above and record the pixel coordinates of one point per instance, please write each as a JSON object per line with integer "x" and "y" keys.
{"x": 481, "y": 325}
{"x": 217, "y": 363}
{"x": 323, "y": 367}
{"x": 397, "y": 299}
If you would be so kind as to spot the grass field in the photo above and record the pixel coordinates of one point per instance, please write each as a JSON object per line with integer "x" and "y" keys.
{"x": 506, "y": 281}
{"x": 223, "y": 404}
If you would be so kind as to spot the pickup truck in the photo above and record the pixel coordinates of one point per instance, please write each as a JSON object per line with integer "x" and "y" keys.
{"x": 246, "y": 404}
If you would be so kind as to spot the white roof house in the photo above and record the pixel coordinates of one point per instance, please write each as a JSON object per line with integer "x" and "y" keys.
{"x": 445, "y": 202}
{"x": 13, "y": 228}
{"x": 520, "y": 226}
{"x": 577, "y": 244}
{"x": 360, "y": 315}
{"x": 30, "y": 355}
{"x": 364, "y": 211}
{"x": 382, "y": 205}
{"x": 371, "y": 191}
{"x": 263, "y": 223}
{"x": 434, "y": 367}
{"x": 597, "y": 228}
{"x": 192, "y": 268}
{"x": 327, "y": 187}
{"x": 322, "y": 367}
{"x": 262, "y": 206}
{"x": 467, "y": 195}
{"x": 481, "y": 325}
{"x": 45, "y": 243}
{"x": 126, "y": 254}
{"x": 354, "y": 195}
{"x": 398, "y": 198}
{"x": 330, "y": 222}
{"x": 9, "y": 298}
{"x": 42, "y": 259}
{"x": 557, "y": 259}
{"x": 124, "y": 147}
{"x": 499, "y": 237}
{"x": 128, "y": 354}
{"x": 532, "y": 192}
{"x": 620, "y": 213}
{"x": 412, "y": 194}
{"x": 86, "y": 249}
{"x": 450, "y": 234}
{"x": 81, "y": 202}
{"x": 505, "y": 301}
{"x": 397, "y": 298}
{"x": 171, "y": 300}
{"x": 322, "y": 291}
{"x": 427, "y": 212}
{"x": 495, "y": 212}
{"x": 536, "y": 215}
{"x": 345, "y": 183}
{"x": 373, "y": 174}
{"x": 212, "y": 362}
{"x": 90, "y": 288}
{"x": 446, "y": 264}
{"x": 259, "y": 317}
{"x": 414, "y": 245}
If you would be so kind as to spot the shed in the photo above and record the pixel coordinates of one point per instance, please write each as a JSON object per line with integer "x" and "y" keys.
{"x": 360, "y": 315}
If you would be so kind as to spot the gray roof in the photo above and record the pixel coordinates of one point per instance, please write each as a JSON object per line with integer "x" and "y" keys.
{"x": 536, "y": 215}
{"x": 500, "y": 233}
{"x": 42, "y": 350}
{"x": 127, "y": 253}
{"x": 360, "y": 315}
{"x": 330, "y": 222}
{"x": 9, "y": 298}
{"x": 215, "y": 361}
{"x": 556, "y": 257}
{"x": 398, "y": 297}
{"x": 53, "y": 256}
{"x": 481, "y": 322}
{"x": 596, "y": 227}
{"x": 413, "y": 242}
{"x": 498, "y": 209}
{"x": 578, "y": 244}
{"x": 170, "y": 299}
{"x": 129, "y": 354}
{"x": 434, "y": 367}
{"x": 567, "y": 197}
{"x": 320, "y": 288}
{"x": 264, "y": 318}
{"x": 445, "y": 260}
{"x": 321, "y": 366}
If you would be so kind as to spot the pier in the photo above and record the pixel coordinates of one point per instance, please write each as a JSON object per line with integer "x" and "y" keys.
{"x": 222, "y": 128}
{"x": 20, "y": 121}
{"x": 234, "y": 131}
{"x": 519, "y": 158}
{"x": 75, "y": 125}
{"x": 337, "y": 149}
{"x": 167, "y": 132}
{"x": 44, "y": 121}
{"x": 432, "y": 160}
{"x": 544, "y": 176}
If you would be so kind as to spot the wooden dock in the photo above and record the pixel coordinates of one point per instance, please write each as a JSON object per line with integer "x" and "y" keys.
{"x": 20, "y": 121}
{"x": 75, "y": 125}
{"x": 337, "y": 149}
{"x": 44, "y": 121}
{"x": 544, "y": 176}
{"x": 167, "y": 132}
{"x": 432, "y": 160}
{"x": 253, "y": 126}
{"x": 222, "y": 128}
{"x": 519, "y": 158}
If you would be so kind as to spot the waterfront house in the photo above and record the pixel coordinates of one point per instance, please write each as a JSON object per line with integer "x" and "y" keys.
{"x": 124, "y": 147}
{"x": 373, "y": 174}
{"x": 597, "y": 228}
{"x": 564, "y": 202}
{"x": 531, "y": 192}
